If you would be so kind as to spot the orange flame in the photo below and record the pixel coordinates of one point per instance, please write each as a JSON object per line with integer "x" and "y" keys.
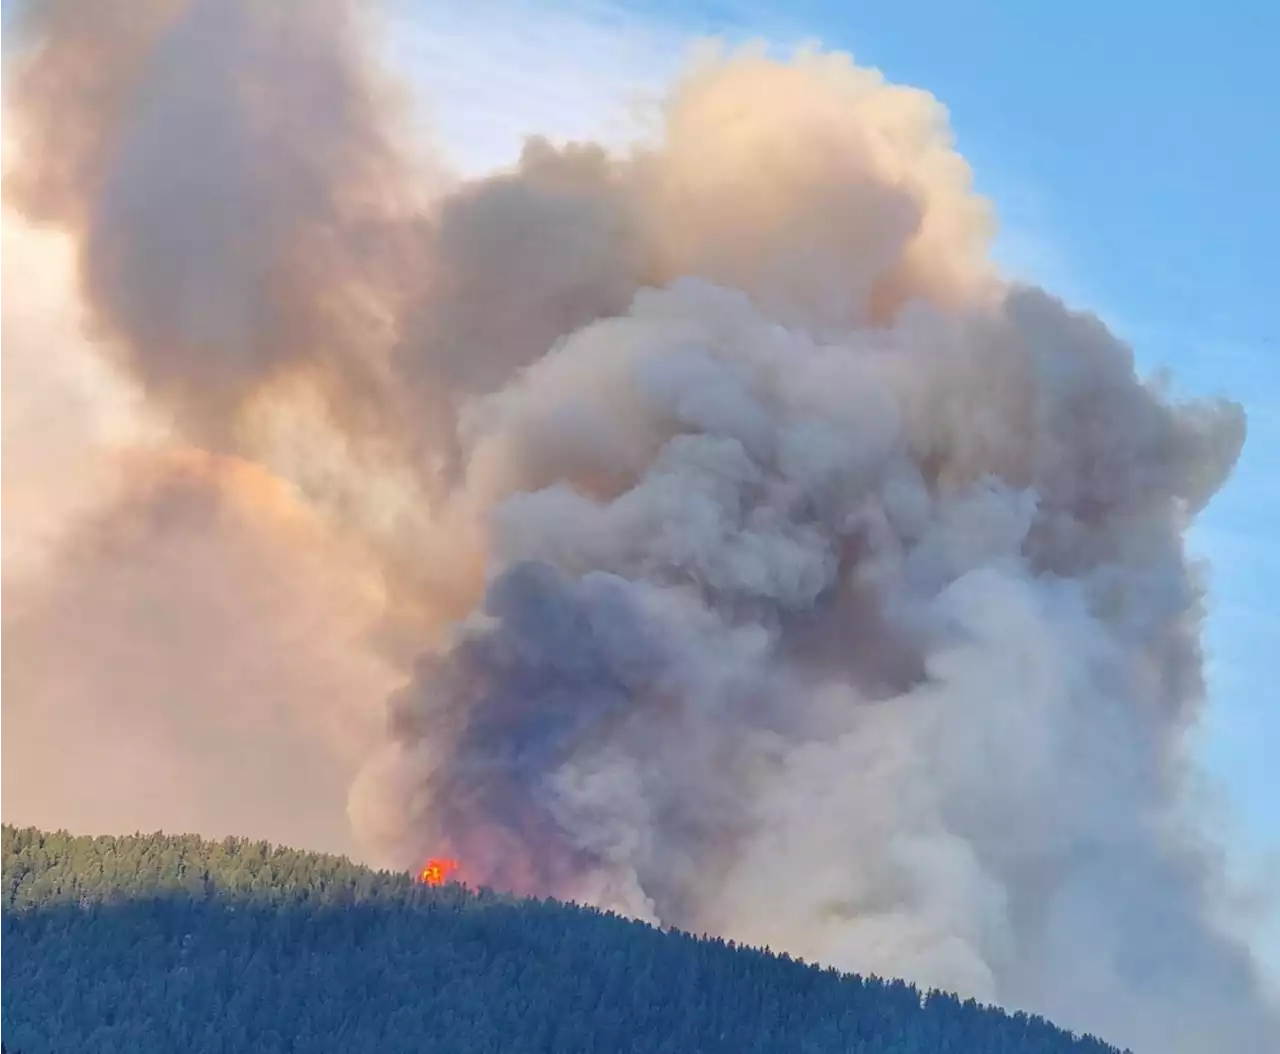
{"x": 437, "y": 871}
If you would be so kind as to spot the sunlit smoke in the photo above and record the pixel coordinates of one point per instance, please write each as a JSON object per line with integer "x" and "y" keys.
{"x": 748, "y": 554}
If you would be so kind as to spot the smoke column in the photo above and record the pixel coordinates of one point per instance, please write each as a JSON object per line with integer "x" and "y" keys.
{"x": 750, "y": 556}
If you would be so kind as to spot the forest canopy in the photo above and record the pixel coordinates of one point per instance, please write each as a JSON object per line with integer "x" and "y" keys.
{"x": 154, "y": 943}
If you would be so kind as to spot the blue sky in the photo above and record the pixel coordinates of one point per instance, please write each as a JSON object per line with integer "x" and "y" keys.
{"x": 1133, "y": 156}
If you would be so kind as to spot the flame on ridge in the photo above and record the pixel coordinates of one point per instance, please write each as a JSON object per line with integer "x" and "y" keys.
{"x": 438, "y": 871}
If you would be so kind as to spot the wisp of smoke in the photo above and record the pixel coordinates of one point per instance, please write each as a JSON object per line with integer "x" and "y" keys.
{"x": 756, "y": 559}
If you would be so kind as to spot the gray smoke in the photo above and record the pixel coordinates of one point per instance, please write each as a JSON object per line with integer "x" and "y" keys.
{"x": 776, "y": 568}
{"x": 881, "y": 652}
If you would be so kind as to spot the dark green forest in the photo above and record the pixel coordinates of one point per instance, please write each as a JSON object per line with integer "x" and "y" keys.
{"x": 153, "y": 943}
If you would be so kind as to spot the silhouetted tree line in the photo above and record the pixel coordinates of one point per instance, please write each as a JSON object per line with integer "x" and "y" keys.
{"x": 157, "y": 944}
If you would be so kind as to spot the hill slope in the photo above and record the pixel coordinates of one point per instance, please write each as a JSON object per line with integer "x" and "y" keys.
{"x": 153, "y": 943}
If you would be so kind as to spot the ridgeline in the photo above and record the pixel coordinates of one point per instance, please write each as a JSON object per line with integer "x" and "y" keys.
{"x": 151, "y": 943}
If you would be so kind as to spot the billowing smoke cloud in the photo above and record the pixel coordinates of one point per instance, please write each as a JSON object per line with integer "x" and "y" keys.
{"x": 230, "y": 171}
{"x": 773, "y": 567}
{"x": 188, "y": 645}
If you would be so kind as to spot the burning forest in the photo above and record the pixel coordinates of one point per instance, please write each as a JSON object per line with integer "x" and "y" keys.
{"x": 705, "y": 531}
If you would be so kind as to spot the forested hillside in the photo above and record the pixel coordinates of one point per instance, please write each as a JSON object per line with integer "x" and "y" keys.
{"x": 158, "y": 944}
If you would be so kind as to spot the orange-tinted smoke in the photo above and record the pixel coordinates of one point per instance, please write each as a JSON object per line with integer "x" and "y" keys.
{"x": 191, "y": 656}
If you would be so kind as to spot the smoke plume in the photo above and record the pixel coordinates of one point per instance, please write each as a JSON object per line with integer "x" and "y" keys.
{"x": 751, "y": 556}
{"x": 193, "y": 662}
